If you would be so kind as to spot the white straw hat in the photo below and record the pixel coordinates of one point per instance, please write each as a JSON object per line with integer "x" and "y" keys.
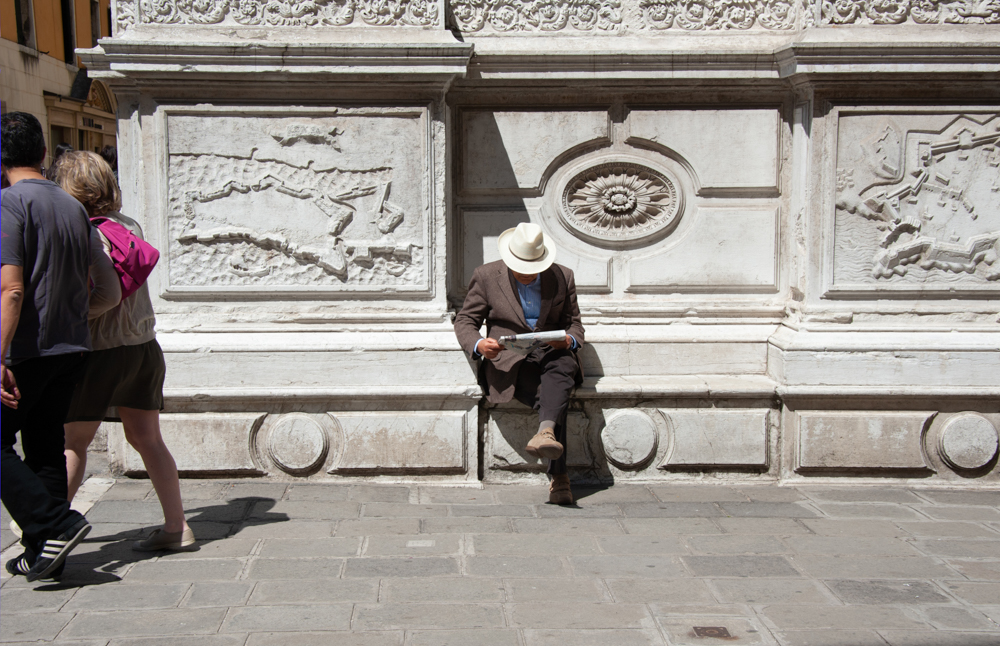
{"x": 525, "y": 250}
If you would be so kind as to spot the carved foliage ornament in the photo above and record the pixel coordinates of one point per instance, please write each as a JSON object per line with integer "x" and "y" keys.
{"x": 894, "y": 12}
{"x": 420, "y": 13}
{"x": 615, "y": 15}
{"x": 536, "y": 15}
{"x": 620, "y": 202}
{"x": 693, "y": 15}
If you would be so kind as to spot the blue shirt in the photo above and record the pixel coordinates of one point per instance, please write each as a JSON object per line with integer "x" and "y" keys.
{"x": 530, "y": 296}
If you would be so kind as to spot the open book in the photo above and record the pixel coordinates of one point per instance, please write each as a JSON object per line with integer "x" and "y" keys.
{"x": 523, "y": 344}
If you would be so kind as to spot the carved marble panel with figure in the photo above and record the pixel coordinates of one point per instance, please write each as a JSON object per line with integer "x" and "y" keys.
{"x": 918, "y": 201}
{"x": 297, "y": 200}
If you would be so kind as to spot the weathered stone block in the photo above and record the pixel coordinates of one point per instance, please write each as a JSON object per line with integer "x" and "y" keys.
{"x": 509, "y": 150}
{"x": 860, "y": 440}
{"x": 750, "y": 137}
{"x": 724, "y": 250}
{"x": 724, "y": 437}
{"x": 200, "y": 443}
{"x": 413, "y": 441}
{"x": 508, "y": 431}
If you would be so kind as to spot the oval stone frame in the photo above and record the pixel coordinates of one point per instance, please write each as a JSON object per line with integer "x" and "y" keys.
{"x": 620, "y": 202}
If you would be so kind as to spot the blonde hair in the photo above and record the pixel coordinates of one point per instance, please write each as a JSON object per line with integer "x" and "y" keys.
{"x": 88, "y": 178}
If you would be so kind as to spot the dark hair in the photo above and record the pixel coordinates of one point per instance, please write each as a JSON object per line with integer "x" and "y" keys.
{"x": 110, "y": 155}
{"x": 61, "y": 149}
{"x": 23, "y": 142}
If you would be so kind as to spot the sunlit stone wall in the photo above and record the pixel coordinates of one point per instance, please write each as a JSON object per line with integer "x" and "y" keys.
{"x": 784, "y": 220}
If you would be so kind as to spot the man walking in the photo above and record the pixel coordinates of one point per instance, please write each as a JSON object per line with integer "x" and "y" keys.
{"x": 526, "y": 292}
{"x": 44, "y": 301}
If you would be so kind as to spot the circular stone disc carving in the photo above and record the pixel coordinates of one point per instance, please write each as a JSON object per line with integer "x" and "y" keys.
{"x": 968, "y": 441}
{"x": 630, "y": 438}
{"x": 297, "y": 443}
{"x": 620, "y": 202}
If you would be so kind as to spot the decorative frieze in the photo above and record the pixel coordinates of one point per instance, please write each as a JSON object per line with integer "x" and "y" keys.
{"x": 543, "y": 15}
{"x": 550, "y": 16}
{"x": 610, "y": 16}
{"x": 279, "y": 13}
{"x": 925, "y": 12}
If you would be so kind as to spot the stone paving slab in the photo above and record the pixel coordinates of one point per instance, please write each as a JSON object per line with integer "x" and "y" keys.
{"x": 371, "y": 565}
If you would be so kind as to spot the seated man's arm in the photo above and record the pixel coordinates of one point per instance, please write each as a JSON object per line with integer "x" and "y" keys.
{"x": 470, "y": 319}
{"x": 570, "y": 317}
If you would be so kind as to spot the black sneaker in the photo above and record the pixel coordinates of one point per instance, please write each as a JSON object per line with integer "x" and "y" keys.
{"x": 55, "y": 551}
{"x": 18, "y": 566}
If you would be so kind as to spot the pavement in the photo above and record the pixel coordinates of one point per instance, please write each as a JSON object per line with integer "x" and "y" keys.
{"x": 301, "y": 564}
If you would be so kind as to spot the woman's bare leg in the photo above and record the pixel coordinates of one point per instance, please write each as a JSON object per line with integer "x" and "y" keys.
{"x": 79, "y": 435}
{"x": 142, "y": 430}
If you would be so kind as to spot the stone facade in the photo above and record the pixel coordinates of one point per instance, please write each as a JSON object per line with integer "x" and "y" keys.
{"x": 784, "y": 220}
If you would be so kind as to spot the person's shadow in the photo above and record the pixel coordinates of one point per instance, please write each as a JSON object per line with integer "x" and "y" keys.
{"x": 210, "y": 523}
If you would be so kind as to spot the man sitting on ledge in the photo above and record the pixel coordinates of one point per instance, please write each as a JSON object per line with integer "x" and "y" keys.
{"x": 525, "y": 292}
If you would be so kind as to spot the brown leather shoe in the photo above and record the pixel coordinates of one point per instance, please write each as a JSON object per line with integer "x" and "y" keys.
{"x": 544, "y": 445}
{"x": 559, "y": 491}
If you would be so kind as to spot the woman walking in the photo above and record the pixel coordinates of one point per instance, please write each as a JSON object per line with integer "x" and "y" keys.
{"x": 126, "y": 368}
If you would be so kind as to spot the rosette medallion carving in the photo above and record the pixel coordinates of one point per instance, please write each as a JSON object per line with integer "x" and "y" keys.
{"x": 620, "y": 202}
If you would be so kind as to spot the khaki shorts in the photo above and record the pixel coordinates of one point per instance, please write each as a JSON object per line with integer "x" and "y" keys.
{"x": 129, "y": 376}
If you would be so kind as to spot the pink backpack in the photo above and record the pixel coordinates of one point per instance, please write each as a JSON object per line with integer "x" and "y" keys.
{"x": 134, "y": 258}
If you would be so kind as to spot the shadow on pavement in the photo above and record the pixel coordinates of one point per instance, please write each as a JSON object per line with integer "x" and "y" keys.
{"x": 210, "y": 523}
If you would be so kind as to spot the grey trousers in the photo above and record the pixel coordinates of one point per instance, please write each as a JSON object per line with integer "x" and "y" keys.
{"x": 545, "y": 380}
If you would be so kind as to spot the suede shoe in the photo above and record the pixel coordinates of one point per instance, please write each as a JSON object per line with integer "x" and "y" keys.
{"x": 55, "y": 550}
{"x": 182, "y": 541}
{"x": 560, "y": 492}
{"x": 544, "y": 445}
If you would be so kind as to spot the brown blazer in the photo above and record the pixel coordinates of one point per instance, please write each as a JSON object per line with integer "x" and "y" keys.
{"x": 493, "y": 298}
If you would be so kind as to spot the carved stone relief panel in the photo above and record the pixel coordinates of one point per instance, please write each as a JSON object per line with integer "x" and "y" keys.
{"x": 297, "y": 200}
{"x": 917, "y": 201}
{"x": 278, "y": 13}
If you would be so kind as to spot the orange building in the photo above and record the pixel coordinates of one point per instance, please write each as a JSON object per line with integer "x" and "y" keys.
{"x": 40, "y": 72}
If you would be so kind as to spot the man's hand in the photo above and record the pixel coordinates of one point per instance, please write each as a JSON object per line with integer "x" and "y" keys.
{"x": 564, "y": 344}
{"x": 9, "y": 394}
{"x": 489, "y": 348}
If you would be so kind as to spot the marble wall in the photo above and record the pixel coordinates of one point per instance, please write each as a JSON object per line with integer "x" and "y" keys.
{"x": 783, "y": 217}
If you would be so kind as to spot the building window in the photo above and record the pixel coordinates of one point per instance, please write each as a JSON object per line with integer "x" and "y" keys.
{"x": 95, "y": 22}
{"x": 24, "y": 15}
{"x": 69, "y": 42}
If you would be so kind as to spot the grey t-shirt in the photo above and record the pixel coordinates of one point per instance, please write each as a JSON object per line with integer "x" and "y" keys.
{"x": 47, "y": 232}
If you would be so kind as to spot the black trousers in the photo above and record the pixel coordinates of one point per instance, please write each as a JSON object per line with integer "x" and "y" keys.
{"x": 34, "y": 490}
{"x": 544, "y": 381}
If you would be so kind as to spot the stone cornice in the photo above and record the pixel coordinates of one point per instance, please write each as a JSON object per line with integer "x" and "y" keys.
{"x": 432, "y": 63}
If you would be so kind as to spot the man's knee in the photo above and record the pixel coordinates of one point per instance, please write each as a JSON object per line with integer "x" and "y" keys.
{"x": 562, "y": 362}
